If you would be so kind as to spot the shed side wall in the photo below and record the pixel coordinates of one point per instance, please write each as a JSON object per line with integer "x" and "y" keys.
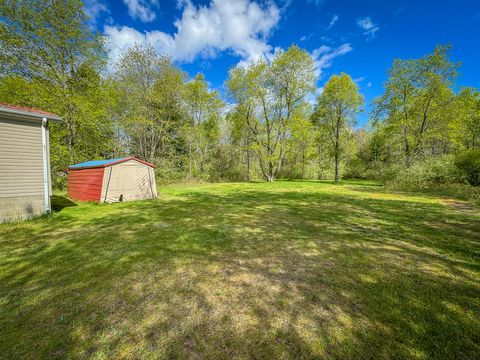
{"x": 85, "y": 184}
{"x": 21, "y": 169}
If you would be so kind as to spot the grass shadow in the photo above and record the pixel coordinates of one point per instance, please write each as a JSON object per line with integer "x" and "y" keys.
{"x": 61, "y": 202}
{"x": 305, "y": 270}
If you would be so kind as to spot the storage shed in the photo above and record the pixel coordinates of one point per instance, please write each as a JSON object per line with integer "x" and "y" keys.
{"x": 114, "y": 180}
{"x": 25, "y": 185}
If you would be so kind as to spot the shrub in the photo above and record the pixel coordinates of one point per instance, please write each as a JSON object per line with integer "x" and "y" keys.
{"x": 468, "y": 165}
{"x": 422, "y": 175}
{"x": 439, "y": 175}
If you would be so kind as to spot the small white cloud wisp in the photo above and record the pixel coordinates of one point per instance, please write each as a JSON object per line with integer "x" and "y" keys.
{"x": 368, "y": 26}
{"x": 324, "y": 56}
{"x": 143, "y": 10}
{"x": 333, "y": 21}
{"x": 95, "y": 8}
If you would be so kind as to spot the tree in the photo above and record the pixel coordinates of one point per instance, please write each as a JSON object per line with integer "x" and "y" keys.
{"x": 466, "y": 124}
{"x": 242, "y": 114}
{"x": 49, "y": 44}
{"x": 151, "y": 92}
{"x": 337, "y": 109}
{"x": 201, "y": 127}
{"x": 416, "y": 104}
{"x": 302, "y": 142}
{"x": 268, "y": 94}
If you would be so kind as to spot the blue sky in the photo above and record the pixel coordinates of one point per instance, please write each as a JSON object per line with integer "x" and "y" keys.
{"x": 359, "y": 37}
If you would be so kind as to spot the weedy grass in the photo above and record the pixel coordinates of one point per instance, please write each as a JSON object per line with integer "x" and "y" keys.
{"x": 261, "y": 270}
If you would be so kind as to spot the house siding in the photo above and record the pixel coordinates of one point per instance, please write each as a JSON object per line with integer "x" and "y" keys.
{"x": 21, "y": 169}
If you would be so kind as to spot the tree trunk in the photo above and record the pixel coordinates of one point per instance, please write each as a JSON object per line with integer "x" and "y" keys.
{"x": 337, "y": 149}
{"x": 303, "y": 162}
{"x": 248, "y": 161}
{"x": 190, "y": 159}
{"x": 337, "y": 157}
{"x": 407, "y": 154}
{"x": 271, "y": 175}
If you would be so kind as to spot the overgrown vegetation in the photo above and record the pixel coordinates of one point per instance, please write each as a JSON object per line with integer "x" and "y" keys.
{"x": 423, "y": 133}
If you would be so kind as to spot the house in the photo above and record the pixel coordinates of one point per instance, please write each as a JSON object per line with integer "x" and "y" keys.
{"x": 113, "y": 180}
{"x": 25, "y": 183}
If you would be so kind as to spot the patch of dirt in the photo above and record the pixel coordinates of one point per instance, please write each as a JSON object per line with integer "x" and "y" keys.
{"x": 459, "y": 205}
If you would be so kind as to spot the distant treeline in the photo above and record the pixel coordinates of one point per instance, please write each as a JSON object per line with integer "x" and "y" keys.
{"x": 423, "y": 131}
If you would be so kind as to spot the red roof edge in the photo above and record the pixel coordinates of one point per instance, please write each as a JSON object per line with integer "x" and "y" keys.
{"x": 30, "y": 110}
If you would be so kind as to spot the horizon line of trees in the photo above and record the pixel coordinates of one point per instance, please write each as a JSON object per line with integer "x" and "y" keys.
{"x": 149, "y": 108}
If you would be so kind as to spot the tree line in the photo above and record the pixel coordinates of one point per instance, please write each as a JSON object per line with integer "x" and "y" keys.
{"x": 268, "y": 125}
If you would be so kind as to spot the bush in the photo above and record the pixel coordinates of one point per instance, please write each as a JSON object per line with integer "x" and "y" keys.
{"x": 224, "y": 167}
{"x": 423, "y": 175}
{"x": 468, "y": 165}
{"x": 439, "y": 175}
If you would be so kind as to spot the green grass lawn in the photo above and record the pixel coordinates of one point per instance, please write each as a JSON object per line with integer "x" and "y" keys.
{"x": 260, "y": 270}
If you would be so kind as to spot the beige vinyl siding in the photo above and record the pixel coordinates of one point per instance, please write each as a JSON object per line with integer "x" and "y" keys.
{"x": 48, "y": 161}
{"x": 130, "y": 180}
{"x": 21, "y": 161}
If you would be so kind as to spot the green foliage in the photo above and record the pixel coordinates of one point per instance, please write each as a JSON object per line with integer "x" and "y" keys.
{"x": 300, "y": 152}
{"x": 52, "y": 60}
{"x": 147, "y": 107}
{"x": 201, "y": 128}
{"x": 445, "y": 175}
{"x": 416, "y": 107}
{"x": 465, "y": 127}
{"x": 468, "y": 163}
{"x": 336, "y": 111}
{"x": 268, "y": 96}
{"x": 424, "y": 174}
{"x": 150, "y": 91}
{"x": 52, "y": 39}
{"x": 424, "y": 135}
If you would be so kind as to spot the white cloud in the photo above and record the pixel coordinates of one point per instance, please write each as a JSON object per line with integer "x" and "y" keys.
{"x": 369, "y": 27}
{"x": 333, "y": 21}
{"x": 95, "y": 8}
{"x": 359, "y": 79}
{"x": 324, "y": 56}
{"x": 242, "y": 27}
{"x": 142, "y": 9}
{"x": 369, "y": 84}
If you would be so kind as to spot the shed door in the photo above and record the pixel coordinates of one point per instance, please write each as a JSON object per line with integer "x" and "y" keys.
{"x": 127, "y": 181}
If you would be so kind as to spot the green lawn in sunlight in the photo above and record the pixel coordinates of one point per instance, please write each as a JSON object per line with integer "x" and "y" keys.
{"x": 262, "y": 270}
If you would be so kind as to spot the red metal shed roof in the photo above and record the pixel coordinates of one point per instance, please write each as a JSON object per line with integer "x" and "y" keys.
{"x": 28, "y": 111}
